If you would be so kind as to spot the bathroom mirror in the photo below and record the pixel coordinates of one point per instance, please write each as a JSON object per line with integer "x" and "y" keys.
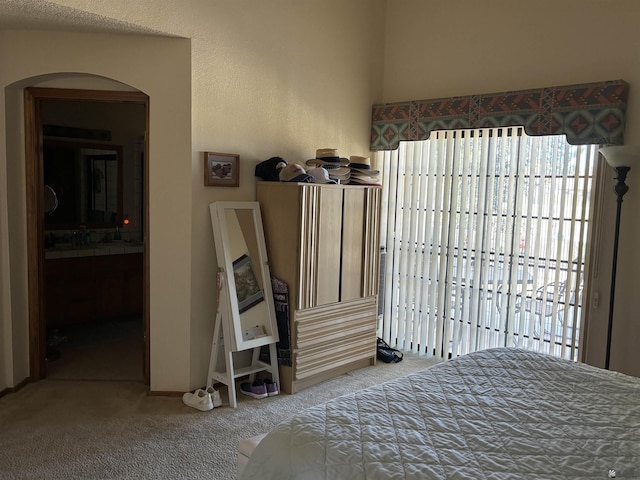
{"x": 242, "y": 261}
{"x": 86, "y": 181}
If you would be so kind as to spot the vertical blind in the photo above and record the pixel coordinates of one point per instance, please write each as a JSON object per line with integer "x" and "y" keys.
{"x": 484, "y": 234}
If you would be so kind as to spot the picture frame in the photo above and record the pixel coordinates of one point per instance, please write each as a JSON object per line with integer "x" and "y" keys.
{"x": 221, "y": 169}
{"x": 247, "y": 286}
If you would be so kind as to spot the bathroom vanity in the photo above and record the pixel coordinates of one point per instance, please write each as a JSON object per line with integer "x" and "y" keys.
{"x": 93, "y": 283}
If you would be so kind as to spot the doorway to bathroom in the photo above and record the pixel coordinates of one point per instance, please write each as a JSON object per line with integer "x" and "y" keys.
{"x": 87, "y": 231}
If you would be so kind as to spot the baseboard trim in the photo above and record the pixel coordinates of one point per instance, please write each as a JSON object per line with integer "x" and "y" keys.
{"x": 20, "y": 385}
{"x": 160, "y": 393}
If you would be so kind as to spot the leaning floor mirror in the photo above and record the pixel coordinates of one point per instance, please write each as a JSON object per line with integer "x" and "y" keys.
{"x": 246, "y": 312}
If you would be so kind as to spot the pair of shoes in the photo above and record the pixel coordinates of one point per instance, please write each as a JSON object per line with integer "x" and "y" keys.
{"x": 215, "y": 396}
{"x": 257, "y": 389}
{"x": 199, "y": 399}
{"x": 272, "y": 387}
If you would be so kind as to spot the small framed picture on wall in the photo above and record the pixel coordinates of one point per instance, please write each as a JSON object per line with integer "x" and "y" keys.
{"x": 221, "y": 169}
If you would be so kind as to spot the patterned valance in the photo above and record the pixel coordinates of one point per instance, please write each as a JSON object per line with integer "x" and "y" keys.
{"x": 592, "y": 113}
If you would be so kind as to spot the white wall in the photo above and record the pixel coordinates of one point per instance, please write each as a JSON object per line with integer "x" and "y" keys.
{"x": 440, "y": 49}
{"x": 283, "y": 77}
{"x": 27, "y": 58}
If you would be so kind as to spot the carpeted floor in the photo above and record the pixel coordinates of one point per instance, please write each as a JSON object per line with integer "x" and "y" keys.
{"x": 114, "y": 430}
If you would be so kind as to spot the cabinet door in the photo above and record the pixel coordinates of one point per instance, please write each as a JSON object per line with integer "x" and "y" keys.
{"x": 133, "y": 286}
{"x": 371, "y": 242}
{"x": 339, "y": 245}
{"x": 328, "y": 245}
{"x": 360, "y": 243}
{"x": 70, "y": 287}
{"x": 353, "y": 237}
{"x": 108, "y": 272}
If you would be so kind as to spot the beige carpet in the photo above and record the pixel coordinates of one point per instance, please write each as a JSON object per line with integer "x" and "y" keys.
{"x": 113, "y": 430}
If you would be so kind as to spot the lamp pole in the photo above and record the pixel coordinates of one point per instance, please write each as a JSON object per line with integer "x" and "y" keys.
{"x": 620, "y": 189}
{"x": 621, "y": 158}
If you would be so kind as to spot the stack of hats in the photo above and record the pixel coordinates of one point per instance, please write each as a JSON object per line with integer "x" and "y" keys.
{"x": 361, "y": 171}
{"x": 330, "y": 160}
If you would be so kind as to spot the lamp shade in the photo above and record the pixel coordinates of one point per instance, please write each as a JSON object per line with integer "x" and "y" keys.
{"x": 621, "y": 155}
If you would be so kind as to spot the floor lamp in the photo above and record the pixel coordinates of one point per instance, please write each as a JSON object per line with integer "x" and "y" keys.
{"x": 621, "y": 158}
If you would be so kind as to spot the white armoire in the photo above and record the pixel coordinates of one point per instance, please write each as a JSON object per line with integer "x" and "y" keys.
{"x": 323, "y": 242}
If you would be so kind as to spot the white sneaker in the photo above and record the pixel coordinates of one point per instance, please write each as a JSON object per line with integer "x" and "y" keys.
{"x": 198, "y": 399}
{"x": 215, "y": 396}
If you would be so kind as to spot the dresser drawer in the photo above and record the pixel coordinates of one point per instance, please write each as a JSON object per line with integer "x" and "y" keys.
{"x": 334, "y": 335}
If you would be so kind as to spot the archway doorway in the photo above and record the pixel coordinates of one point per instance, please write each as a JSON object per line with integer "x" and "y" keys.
{"x": 92, "y": 244}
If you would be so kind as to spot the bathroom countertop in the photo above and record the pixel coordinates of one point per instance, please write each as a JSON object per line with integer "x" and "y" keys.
{"x": 94, "y": 250}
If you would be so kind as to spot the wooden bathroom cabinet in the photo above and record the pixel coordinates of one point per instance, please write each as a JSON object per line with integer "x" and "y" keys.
{"x": 93, "y": 288}
{"x": 323, "y": 242}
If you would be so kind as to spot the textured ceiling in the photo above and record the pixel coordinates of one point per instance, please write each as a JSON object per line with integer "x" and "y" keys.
{"x": 40, "y": 14}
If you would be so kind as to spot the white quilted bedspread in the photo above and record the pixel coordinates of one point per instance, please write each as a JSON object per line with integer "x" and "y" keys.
{"x": 494, "y": 414}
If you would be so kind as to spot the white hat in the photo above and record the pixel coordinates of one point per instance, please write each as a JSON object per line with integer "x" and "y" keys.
{"x": 294, "y": 173}
{"x": 343, "y": 177}
{"x": 320, "y": 175}
{"x": 364, "y": 181}
{"x": 365, "y": 177}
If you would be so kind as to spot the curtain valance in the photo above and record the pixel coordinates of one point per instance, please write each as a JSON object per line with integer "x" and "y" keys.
{"x": 591, "y": 113}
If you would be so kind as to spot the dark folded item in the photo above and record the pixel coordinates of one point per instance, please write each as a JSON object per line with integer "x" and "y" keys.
{"x": 270, "y": 169}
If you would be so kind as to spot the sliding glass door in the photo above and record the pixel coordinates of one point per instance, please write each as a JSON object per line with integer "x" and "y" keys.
{"x": 484, "y": 235}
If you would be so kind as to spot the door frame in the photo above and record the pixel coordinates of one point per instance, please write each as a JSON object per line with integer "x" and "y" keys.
{"x": 33, "y": 98}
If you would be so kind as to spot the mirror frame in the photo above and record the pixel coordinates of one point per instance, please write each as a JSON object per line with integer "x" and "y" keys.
{"x": 228, "y": 299}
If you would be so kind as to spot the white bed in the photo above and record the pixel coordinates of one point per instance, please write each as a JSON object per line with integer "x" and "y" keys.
{"x": 499, "y": 414}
